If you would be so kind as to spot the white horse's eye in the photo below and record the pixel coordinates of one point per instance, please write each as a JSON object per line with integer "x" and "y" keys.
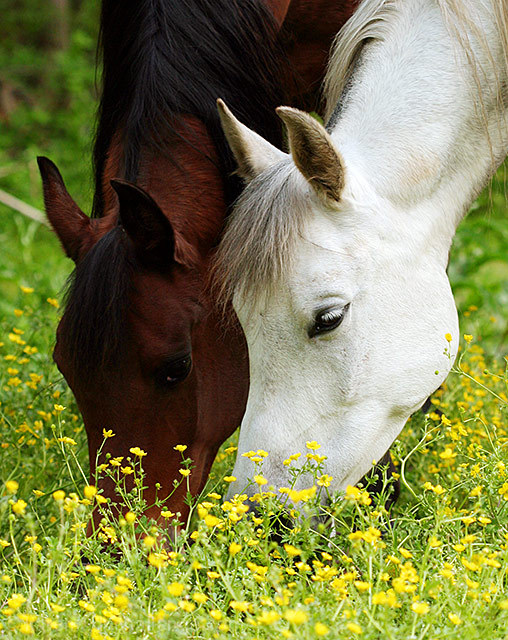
{"x": 327, "y": 320}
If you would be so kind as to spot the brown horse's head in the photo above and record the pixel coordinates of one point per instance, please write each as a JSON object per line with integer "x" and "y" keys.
{"x": 140, "y": 343}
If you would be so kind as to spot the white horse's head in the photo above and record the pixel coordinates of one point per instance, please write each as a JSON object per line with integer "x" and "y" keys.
{"x": 344, "y": 300}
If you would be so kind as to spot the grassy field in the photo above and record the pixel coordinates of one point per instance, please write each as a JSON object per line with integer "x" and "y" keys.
{"x": 435, "y": 568}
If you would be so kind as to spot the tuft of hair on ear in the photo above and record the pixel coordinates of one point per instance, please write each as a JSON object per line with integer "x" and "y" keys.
{"x": 314, "y": 153}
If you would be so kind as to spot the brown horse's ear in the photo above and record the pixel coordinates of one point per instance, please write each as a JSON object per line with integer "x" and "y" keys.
{"x": 70, "y": 224}
{"x": 145, "y": 224}
{"x": 314, "y": 153}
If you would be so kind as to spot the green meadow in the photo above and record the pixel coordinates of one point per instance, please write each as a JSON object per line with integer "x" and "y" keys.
{"x": 434, "y": 567}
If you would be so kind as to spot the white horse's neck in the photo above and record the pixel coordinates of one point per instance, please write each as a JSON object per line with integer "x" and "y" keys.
{"x": 425, "y": 126}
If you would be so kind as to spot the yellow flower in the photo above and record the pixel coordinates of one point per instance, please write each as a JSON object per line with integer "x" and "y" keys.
{"x": 292, "y": 551}
{"x": 121, "y": 601}
{"x": 26, "y": 289}
{"x": 421, "y": 608}
{"x": 296, "y": 616}
{"x": 107, "y": 433}
{"x": 157, "y": 560}
{"x": 268, "y": 617}
{"x": 180, "y": 447}
{"x": 291, "y": 458}
{"x": 136, "y": 451}
{"x": 321, "y": 629}
{"x": 353, "y": 493}
{"x": 229, "y": 479}
{"x": 130, "y": 517}
{"x": 127, "y": 470}
{"x": 324, "y": 480}
{"x": 448, "y": 337}
{"x": 453, "y": 617}
{"x": 312, "y": 445}
{"x": 211, "y": 521}
{"x": 19, "y": 507}
{"x": 53, "y": 302}
{"x": 26, "y": 629}
{"x": 11, "y": 486}
{"x": 59, "y": 408}
{"x": 176, "y": 589}
{"x": 87, "y": 606}
{"x": 59, "y": 495}
{"x": 216, "y": 614}
{"x": 260, "y": 480}
{"x": 149, "y": 541}
{"x": 234, "y": 548}
{"x": 200, "y": 598}
{"x": 354, "y": 628}
{"x": 239, "y": 605}
{"x": 16, "y": 600}
{"x": 168, "y": 514}
{"x": 90, "y": 491}
{"x": 468, "y": 337}
{"x": 184, "y": 472}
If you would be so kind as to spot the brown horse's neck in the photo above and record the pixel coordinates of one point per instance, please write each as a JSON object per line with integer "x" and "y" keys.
{"x": 187, "y": 186}
{"x": 307, "y": 35}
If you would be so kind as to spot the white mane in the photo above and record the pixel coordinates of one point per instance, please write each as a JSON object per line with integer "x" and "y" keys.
{"x": 372, "y": 21}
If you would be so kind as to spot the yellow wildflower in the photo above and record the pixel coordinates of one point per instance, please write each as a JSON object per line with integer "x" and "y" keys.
{"x": 421, "y": 608}
{"x": 321, "y": 629}
{"x": 136, "y": 451}
{"x": 176, "y": 589}
{"x": 19, "y": 507}
{"x": 234, "y": 548}
{"x": 296, "y": 616}
{"x": 90, "y": 491}
{"x": 11, "y": 486}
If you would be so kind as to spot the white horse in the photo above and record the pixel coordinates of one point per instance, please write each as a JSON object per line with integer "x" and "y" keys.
{"x": 336, "y": 253}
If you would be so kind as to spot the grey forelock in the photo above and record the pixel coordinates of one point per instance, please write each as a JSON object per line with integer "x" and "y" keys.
{"x": 259, "y": 242}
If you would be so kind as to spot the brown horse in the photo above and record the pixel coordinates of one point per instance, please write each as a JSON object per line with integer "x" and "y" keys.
{"x": 140, "y": 342}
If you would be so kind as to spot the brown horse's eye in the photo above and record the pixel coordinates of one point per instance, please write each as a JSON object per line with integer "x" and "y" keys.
{"x": 174, "y": 371}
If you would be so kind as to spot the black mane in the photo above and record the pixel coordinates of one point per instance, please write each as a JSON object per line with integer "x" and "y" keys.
{"x": 95, "y": 304}
{"x": 162, "y": 58}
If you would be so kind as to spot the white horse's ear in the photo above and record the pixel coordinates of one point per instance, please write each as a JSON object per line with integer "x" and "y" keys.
{"x": 314, "y": 153}
{"x": 252, "y": 152}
